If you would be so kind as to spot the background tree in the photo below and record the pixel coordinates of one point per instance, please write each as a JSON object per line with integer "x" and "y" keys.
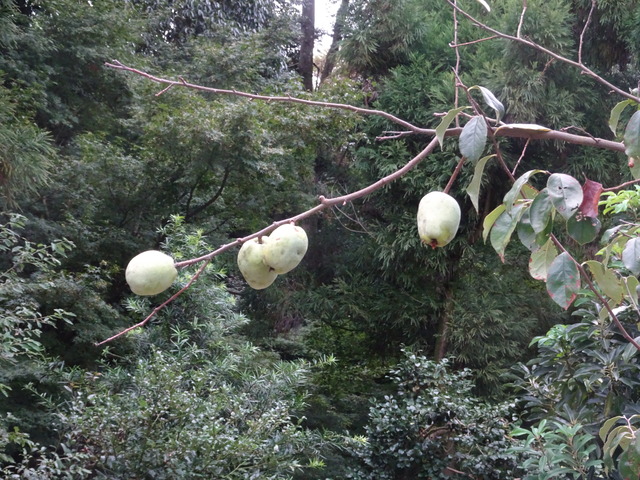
{"x": 127, "y": 161}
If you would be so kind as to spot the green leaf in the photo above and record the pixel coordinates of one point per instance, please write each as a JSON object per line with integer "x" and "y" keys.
{"x": 583, "y": 229}
{"x": 616, "y": 111}
{"x": 563, "y": 280}
{"x": 513, "y": 194}
{"x": 526, "y": 234}
{"x": 442, "y": 127}
{"x": 541, "y": 260}
{"x": 473, "y": 138}
{"x": 473, "y": 190}
{"x": 504, "y": 228}
{"x": 541, "y": 208}
{"x": 532, "y": 127}
{"x": 489, "y": 220}
{"x": 606, "y": 426}
{"x": 565, "y": 193}
{"x": 631, "y": 255}
{"x": 632, "y": 136}
{"x": 631, "y": 284}
{"x": 493, "y": 102}
{"x": 485, "y": 5}
{"x": 607, "y": 280}
{"x": 634, "y": 167}
{"x": 629, "y": 461}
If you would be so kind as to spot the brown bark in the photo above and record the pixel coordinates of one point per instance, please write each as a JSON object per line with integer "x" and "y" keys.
{"x": 305, "y": 63}
{"x": 338, "y": 30}
{"x": 443, "y": 326}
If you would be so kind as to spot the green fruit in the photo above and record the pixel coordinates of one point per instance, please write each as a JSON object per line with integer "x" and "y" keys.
{"x": 150, "y": 273}
{"x": 285, "y": 247}
{"x": 251, "y": 264}
{"x": 438, "y": 219}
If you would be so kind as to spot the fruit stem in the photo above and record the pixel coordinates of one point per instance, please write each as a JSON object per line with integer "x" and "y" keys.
{"x": 454, "y": 175}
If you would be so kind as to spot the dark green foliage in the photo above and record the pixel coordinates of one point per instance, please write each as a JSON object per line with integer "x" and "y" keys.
{"x": 381, "y": 34}
{"x": 187, "y": 412}
{"x": 583, "y": 371}
{"x": 180, "y": 20}
{"x": 26, "y": 152}
{"x": 28, "y": 271}
{"x": 433, "y": 427}
{"x": 62, "y": 75}
{"x": 488, "y": 333}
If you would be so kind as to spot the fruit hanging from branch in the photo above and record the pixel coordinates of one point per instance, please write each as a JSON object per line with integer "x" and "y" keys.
{"x": 438, "y": 219}
{"x": 150, "y": 273}
{"x": 251, "y": 263}
{"x": 285, "y": 247}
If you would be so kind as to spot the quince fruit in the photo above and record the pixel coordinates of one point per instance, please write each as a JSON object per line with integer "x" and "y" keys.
{"x": 150, "y": 273}
{"x": 252, "y": 266}
{"x": 438, "y": 219}
{"x": 285, "y": 247}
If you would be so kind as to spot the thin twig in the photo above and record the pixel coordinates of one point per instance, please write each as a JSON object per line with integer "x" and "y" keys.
{"x": 289, "y": 99}
{"x": 524, "y": 150}
{"x": 605, "y": 303}
{"x": 324, "y": 203}
{"x": 473, "y": 42}
{"x": 452, "y": 132}
{"x": 621, "y": 186}
{"x": 524, "y": 9}
{"x": 584, "y": 30}
{"x": 159, "y": 307}
{"x": 393, "y": 135}
{"x": 456, "y": 94}
{"x": 455, "y": 174}
{"x": 580, "y": 66}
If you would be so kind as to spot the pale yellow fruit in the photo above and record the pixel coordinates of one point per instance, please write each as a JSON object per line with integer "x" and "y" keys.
{"x": 150, "y": 273}
{"x": 285, "y": 247}
{"x": 438, "y": 219}
{"x": 251, "y": 264}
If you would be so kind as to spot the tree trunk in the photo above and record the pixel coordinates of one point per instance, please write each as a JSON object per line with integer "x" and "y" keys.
{"x": 443, "y": 326}
{"x": 305, "y": 63}
{"x": 338, "y": 30}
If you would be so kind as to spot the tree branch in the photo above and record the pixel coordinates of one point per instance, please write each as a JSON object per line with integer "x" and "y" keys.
{"x": 591, "y": 286}
{"x": 287, "y": 99}
{"x": 452, "y": 132}
{"x": 324, "y": 203}
{"x": 584, "y": 30}
{"x": 579, "y": 65}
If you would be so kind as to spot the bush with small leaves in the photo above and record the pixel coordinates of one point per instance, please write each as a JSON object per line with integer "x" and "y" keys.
{"x": 433, "y": 427}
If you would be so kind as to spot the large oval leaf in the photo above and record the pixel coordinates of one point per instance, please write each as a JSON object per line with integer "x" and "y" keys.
{"x": 565, "y": 193}
{"x": 441, "y": 129}
{"x": 591, "y": 193}
{"x": 607, "y": 280}
{"x": 490, "y": 220}
{"x": 629, "y": 460}
{"x": 504, "y": 228}
{"x": 473, "y": 138}
{"x": 631, "y": 255}
{"x": 541, "y": 208}
{"x": 632, "y": 136}
{"x": 541, "y": 260}
{"x": 563, "y": 280}
{"x": 526, "y": 234}
{"x": 493, "y": 102}
{"x": 473, "y": 190}
{"x": 614, "y": 117}
{"x": 513, "y": 194}
{"x": 583, "y": 229}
